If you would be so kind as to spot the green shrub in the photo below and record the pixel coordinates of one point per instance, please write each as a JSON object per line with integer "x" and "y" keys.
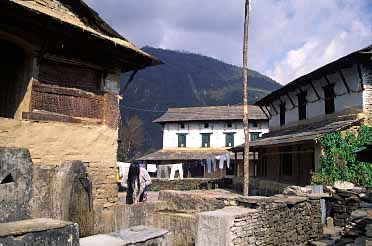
{"x": 338, "y": 161}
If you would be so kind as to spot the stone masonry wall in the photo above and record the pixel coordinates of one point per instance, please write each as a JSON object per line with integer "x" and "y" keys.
{"x": 367, "y": 93}
{"x": 279, "y": 224}
{"x": 52, "y": 143}
{"x": 190, "y": 184}
{"x": 273, "y": 221}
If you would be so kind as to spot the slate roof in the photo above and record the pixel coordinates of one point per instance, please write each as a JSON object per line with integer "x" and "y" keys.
{"x": 316, "y": 74}
{"x": 210, "y": 113}
{"x": 78, "y": 14}
{"x": 309, "y": 133}
{"x": 178, "y": 154}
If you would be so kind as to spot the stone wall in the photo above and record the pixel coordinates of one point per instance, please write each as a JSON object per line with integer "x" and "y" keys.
{"x": 183, "y": 226}
{"x": 124, "y": 216}
{"x": 52, "y": 143}
{"x": 280, "y": 222}
{"x": 342, "y": 203}
{"x": 189, "y": 184}
{"x": 41, "y": 202}
{"x": 367, "y": 94}
{"x": 15, "y": 184}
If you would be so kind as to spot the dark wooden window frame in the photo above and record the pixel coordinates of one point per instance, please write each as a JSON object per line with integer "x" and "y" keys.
{"x": 182, "y": 140}
{"x": 206, "y": 139}
{"x": 230, "y": 138}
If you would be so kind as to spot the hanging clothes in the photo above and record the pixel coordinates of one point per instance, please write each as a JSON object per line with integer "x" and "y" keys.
{"x": 209, "y": 163}
{"x": 214, "y": 164}
{"x": 222, "y": 160}
{"x": 228, "y": 160}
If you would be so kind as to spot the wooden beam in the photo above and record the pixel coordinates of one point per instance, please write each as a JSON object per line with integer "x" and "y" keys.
{"x": 269, "y": 112}
{"x": 327, "y": 80}
{"x": 274, "y": 108}
{"x": 344, "y": 81}
{"x": 265, "y": 112}
{"x": 360, "y": 76}
{"x": 290, "y": 99}
{"x": 315, "y": 91}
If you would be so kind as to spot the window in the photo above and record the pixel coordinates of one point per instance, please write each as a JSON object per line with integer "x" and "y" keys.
{"x": 282, "y": 114}
{"x": 182, "y": 125}
{"x": 229, "y": 139}
{"x": 254, "y": 136}
{"x": 254, "y": 124}
{"x": 229, "y": 124}
{"x": 302, "y": 105}
{"x": 181, "y": 140}
{"x": 206, "y": 140}
{"x": 206, "y": 125}
{"x": 329, "y": 99}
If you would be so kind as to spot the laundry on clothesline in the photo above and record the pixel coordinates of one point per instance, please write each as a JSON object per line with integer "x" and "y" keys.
{"x": 151, "y": 168}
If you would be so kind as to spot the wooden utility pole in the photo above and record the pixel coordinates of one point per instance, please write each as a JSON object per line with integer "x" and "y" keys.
{"x": 245, "y": 98}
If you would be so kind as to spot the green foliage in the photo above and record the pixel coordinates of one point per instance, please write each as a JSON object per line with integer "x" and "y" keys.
{"x": 339, "y": 160}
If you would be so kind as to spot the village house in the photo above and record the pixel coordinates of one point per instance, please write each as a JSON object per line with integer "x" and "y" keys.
{"x": 59, "y": 86}
{"x": 195, "y": 134}
{"x": 337, "y": 96}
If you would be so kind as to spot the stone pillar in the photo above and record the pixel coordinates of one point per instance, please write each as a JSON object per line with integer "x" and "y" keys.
{"x": 15, "y": 184}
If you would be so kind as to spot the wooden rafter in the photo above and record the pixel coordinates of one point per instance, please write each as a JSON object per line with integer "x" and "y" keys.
{"x": 265, "y": 112}
{"x": 276, "y": 111}
{"x": 360, "y": 76}
{"x": 315, "y": 91}
{"x": 269, "y": 112}
{"x": 327, "y": 80}
{"x": 344, "y": 81}
{"x": 290, "y": 99}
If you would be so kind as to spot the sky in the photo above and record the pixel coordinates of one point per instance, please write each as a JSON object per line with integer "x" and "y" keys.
{"x": 287, "y": 38}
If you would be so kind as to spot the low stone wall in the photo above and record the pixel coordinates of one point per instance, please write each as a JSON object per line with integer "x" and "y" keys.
{"x": 190, "y": 184}
{"x": 124, "y": 216}
{"x": 183, "y": 226}
{"x": 260, "y": 186}
{"x": 342, "y": 203}
{"x": 280, "y": 222}
{"x": 39, "y": 232}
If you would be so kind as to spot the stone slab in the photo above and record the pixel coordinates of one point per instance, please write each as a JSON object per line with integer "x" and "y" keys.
{"x": 138, "y": 235}
{"x": 27, "y": 226}
{"x": 39, "y": 232}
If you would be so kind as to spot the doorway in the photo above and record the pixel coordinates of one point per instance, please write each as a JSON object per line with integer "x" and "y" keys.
{"x": 14, "y": 77}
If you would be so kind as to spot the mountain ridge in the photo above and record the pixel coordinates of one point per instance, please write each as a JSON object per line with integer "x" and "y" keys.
{"x": 184, "y": 80}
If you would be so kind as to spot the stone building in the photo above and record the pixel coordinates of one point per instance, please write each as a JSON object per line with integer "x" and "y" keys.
{"x": 334, "y": 97}
{"x": 198, "y": 133}
{"x": 59, "y": 86}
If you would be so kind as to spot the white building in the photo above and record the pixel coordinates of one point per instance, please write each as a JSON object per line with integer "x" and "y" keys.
{"x": 210, "y": 127}
{"x": 196, "y": 133}
{"x": 334, "y": 97}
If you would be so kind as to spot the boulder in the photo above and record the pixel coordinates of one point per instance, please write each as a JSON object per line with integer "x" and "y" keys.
{"x": 343, "y": 185}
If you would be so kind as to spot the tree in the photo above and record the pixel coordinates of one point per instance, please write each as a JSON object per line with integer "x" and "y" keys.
{"x": 131, "y": 135}
{"x": 245, "y": 98}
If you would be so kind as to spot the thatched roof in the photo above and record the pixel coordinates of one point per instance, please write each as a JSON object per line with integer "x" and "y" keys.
{"x": 78, "y": 14}
{"x": 309, "y": 133}
{"x": 214, "y": 113}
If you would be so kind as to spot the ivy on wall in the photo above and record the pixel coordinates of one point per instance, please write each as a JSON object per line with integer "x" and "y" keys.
{"x": 338, "y": 161}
